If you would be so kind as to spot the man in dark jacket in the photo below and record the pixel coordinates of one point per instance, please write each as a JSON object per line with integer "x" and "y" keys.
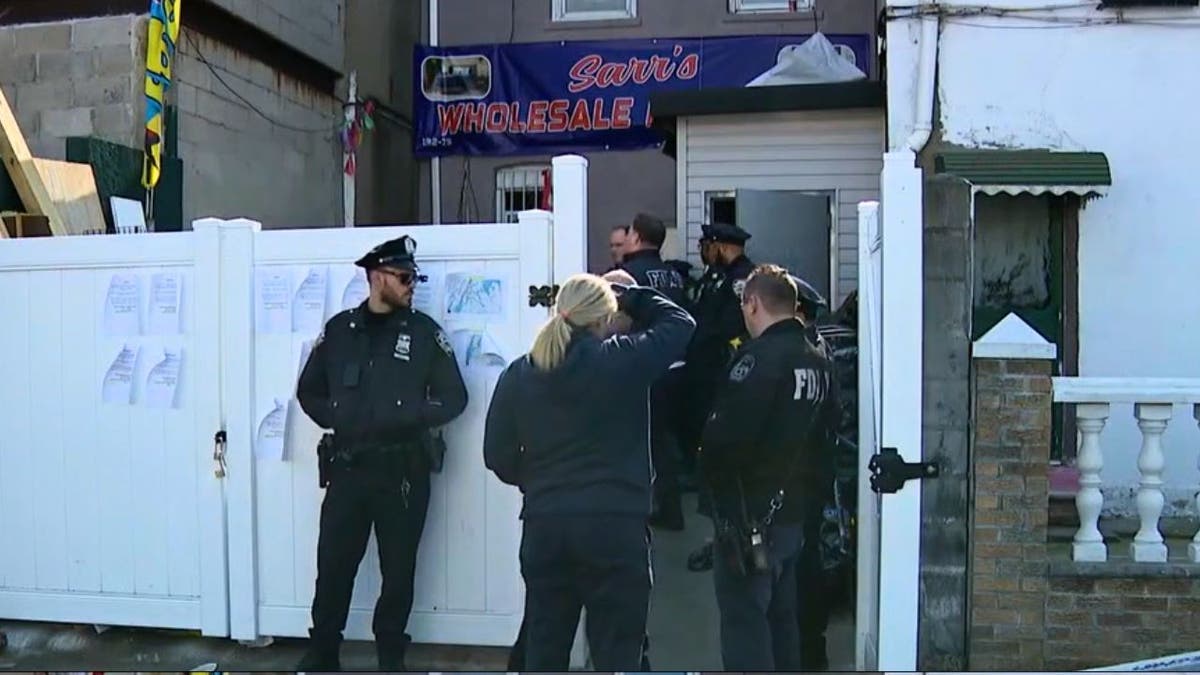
{"x": 380, "y": 376}
{"x": 761, "y": 461}
{"x": 643, "y": 261}
{"x": 574, "y": 439}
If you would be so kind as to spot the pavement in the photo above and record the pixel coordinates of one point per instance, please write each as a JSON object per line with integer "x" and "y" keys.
{"x": 682, "y": 626}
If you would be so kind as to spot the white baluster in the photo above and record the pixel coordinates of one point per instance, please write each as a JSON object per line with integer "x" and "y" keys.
{"x": 1194, "y": 547}
{"x": 1089, "y": 545}
{"x": 1148, "y": 545}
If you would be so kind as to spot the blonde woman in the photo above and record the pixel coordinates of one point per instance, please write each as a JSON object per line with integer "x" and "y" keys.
{"x": 569, "y": 425}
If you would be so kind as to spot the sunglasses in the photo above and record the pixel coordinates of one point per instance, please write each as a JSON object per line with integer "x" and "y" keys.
{"x": 405, "y": 278}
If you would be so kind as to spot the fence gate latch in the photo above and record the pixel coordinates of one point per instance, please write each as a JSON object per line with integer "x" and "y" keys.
{"x": 889, "y": 471}
{"x": 542, "y": 295}
{"x": 219, "y": 453}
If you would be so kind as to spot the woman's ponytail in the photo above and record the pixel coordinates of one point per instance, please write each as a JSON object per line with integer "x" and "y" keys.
{"x": 584, "y": 301}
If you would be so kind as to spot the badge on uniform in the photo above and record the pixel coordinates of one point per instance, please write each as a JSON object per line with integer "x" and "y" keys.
{"x": 443, "y": 341}
{"x": 403, "y": 347}
{"x": 741, "y": 369}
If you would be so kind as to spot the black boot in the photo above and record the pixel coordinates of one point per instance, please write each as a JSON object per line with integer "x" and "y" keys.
{"x": 391, "y": 651}
{"x": 322, "y": 656}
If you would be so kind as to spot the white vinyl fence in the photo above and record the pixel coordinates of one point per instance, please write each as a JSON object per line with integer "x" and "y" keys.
{"x": 121, "y": 359}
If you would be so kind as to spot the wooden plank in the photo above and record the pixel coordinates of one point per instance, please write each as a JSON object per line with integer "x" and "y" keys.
{"x": 72, "y": 188}
{"x": 15, "y": 154}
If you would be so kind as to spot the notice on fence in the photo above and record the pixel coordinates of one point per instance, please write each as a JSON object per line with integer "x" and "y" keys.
{"x": 308, "y": 309}
{"x": 271, "y": 433}
{"x": 474, "y": 295}
{"x": 122, "y": 306}
{"x": 274, "y": 295}
{"x": 477, "y": 348}
{"x": 118, "y": 380}
{"x": 356, "y": 290}
{"x": 162, "y": 384}
{"x": 165, "y": 293}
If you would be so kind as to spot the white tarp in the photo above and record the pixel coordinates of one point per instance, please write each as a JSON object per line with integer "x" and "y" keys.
{"x": 815, "y": 61}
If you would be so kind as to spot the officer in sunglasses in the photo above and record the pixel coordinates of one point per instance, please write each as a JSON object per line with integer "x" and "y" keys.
{"x": 381, "y": 376}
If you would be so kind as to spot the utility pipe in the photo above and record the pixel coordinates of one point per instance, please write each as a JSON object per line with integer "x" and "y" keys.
{"x": 926, "y": 71}
{"x": 435, "y": 164}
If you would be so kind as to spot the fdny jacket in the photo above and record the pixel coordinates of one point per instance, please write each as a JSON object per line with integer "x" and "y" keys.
{"x": 576, "y": 439}
{"x": 381, "y": 378}
{"x": 769, "y": 426}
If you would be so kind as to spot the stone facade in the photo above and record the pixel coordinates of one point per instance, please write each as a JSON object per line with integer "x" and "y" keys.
{"x": 1012, "y": 403}
{"x": 1032, "y": 608}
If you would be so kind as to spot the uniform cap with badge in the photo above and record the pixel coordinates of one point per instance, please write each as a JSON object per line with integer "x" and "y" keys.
{"x": 399, "y": 252}
{"x": 808, "y": 299}
{"x": 724, "y": 233}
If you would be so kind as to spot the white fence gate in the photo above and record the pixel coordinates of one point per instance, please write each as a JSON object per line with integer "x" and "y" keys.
{"x": 112, "y": 509}
{"x": 108, "y": 506}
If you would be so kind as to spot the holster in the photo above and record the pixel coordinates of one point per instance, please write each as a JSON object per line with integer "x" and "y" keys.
{"x": 433, "y": 443}
{"x": 326, "y": 455}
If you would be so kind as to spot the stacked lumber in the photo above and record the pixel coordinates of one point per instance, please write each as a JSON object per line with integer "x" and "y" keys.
{"x": 59, "y": 198}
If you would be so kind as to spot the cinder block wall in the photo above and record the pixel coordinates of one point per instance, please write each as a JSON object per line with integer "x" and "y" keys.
{"x": 282, "y": 167}
{"x": 1033, "y": 608}
{"x": 74, "y": 78}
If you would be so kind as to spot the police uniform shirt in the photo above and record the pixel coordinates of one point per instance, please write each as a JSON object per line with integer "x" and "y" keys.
{"x": 648, "y": 269}
{"x": 380, "y": 378}
{"x": 766, "y": 427}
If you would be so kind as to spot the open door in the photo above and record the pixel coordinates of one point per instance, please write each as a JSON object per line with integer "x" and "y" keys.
{"x": 890, "y": 364}
{"x": 790, "y": 229}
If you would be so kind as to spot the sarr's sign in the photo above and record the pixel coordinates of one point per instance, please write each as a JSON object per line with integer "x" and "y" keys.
{"x": 548, "y": 97}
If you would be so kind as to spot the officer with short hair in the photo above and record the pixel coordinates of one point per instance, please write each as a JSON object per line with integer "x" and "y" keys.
{"x": 643, "y": 261}
{"x": 761, "y": 460}
{"x": 380, "y": 376}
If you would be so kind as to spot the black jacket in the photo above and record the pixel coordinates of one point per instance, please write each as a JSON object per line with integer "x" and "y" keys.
{"x": 719, "y": 330}
{"x": 377, "y": 379}
{"x": 575, "y": 439}
{"x": 648, "y": 269}
{"x": 769, "y": 426}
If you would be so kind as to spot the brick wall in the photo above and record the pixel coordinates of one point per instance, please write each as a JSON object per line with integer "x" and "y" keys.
{"x": 1032, "y": 608}
{"x": 76, "y": 78}
{"x": 285, "y": 171}
{"x": 1011, "y": 503}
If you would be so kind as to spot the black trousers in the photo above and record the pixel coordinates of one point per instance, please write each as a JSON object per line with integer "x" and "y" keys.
{"x": 369, "y": 494}
{"x": 665, "y": 454}
{"x": 601, "y": 563}
{"x": 813, "y": 598}
{"x": 516, "y": 655}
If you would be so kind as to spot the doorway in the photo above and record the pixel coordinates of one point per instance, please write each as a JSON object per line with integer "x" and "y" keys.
{"x": 794, "y": 229}
{"x": 791, "y": 228}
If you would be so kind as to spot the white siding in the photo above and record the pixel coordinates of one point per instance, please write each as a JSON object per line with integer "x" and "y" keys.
{"x": 839, "y": 150}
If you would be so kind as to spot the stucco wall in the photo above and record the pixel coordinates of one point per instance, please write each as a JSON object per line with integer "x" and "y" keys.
{"x": 1116, "y": 89}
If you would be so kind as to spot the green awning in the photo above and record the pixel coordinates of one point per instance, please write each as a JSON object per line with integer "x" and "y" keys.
{"x": 1028, "y": 171}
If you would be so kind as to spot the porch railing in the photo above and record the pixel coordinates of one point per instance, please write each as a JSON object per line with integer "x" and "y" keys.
{"x": 1154, "y": 401}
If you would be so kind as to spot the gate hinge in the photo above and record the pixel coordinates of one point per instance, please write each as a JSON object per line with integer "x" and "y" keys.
{"x": 542, "y": 295}
{"x": 889, "y": 471}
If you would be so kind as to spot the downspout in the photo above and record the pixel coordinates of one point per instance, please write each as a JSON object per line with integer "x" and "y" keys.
{"x": 435, "y": 164}
{"x": 926, "y": 71}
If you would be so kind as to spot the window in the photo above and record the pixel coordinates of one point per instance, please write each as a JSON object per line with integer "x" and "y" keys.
{"x": 519, "y": 188}
{"x": 763, "y": 6}
{"x": 594, "y": 10}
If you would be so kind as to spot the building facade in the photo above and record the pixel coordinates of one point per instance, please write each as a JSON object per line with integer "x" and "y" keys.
{"x": 255, "y": 98}
{"x": 622, "y": 182}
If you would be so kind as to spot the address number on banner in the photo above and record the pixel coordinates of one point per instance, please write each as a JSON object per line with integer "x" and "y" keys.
{"x": 436, "y": 142}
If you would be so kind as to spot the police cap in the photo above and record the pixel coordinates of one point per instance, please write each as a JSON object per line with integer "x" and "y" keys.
{"x": 394, "y": 253}
{"x": 808, "y": 299}
{"x": 724, "y": 233}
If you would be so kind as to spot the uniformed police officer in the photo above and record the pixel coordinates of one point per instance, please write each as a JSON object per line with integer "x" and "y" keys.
{"x": 719, "y": 332}
{"x": 381, "y": 376}
{"x": 760, "y": 460}
{"x": 643, "y": 261}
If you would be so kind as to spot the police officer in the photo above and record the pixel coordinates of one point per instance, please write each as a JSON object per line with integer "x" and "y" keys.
{"x": 643, "y": 261}
{"x": 760, "y": 459}
{"x": 719, "y": 332}
{"x": 381, "y": 376}
{"x": 568, "y": 425}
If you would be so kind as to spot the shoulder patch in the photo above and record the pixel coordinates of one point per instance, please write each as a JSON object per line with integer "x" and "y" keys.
{"x": 741, "y": 370}
{"x": 443, "y": 341}
{"x": 738, "y": 287}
